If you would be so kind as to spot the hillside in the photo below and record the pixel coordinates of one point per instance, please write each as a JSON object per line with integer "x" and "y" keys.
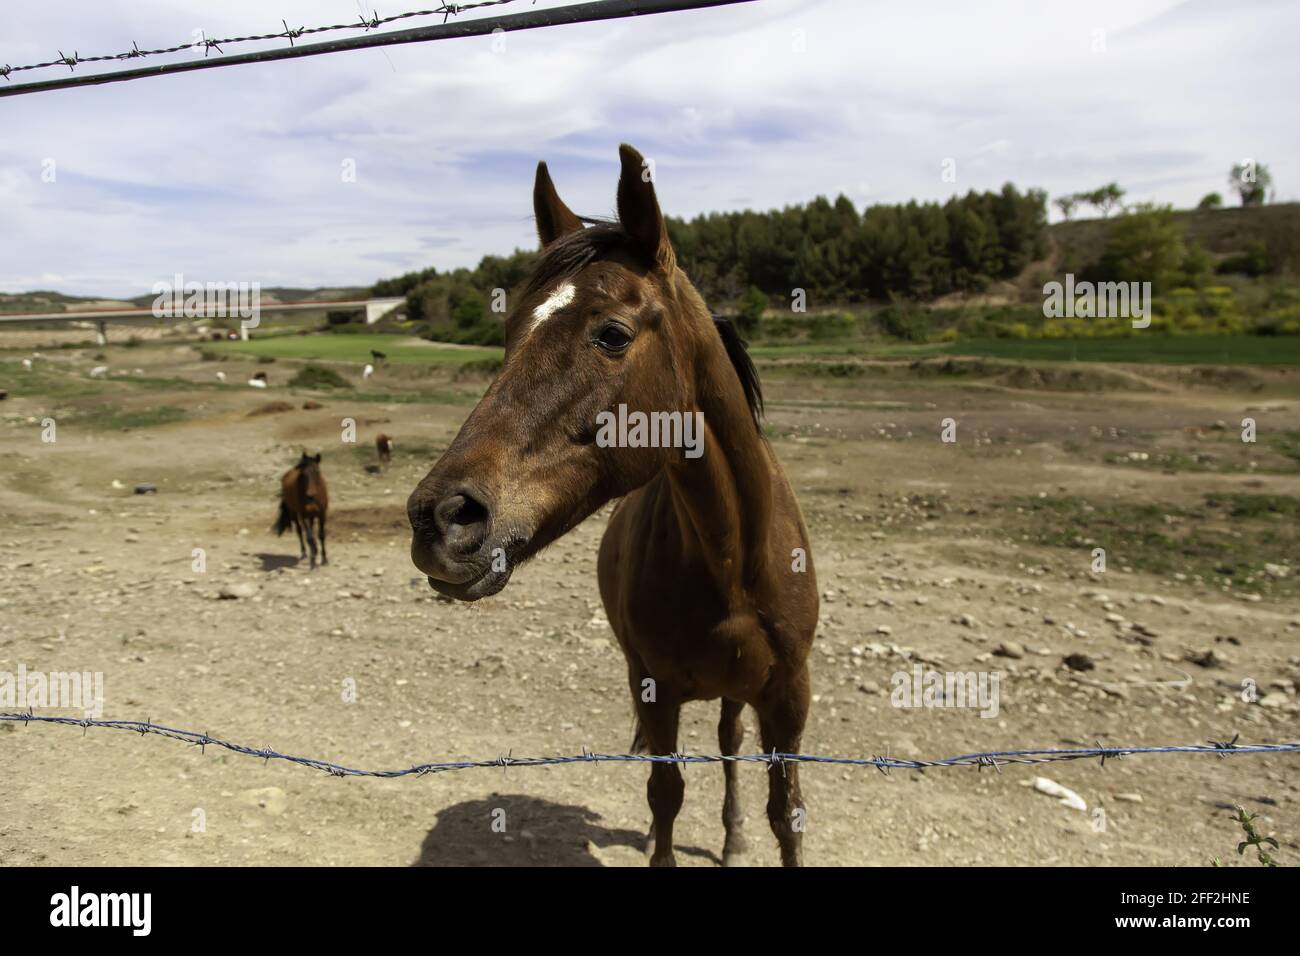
{"x": 1222, "y": 232}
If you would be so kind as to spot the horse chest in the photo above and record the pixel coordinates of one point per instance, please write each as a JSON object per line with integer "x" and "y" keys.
{"x": 695, "y": 645}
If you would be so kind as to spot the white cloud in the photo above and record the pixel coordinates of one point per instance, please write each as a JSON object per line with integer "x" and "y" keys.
{"x": 235, "y": 174}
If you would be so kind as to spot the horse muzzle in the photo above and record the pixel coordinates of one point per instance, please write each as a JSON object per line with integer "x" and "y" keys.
{"x": 451, "y": 542}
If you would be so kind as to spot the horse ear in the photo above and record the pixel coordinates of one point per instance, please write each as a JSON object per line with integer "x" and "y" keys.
{"x": 318, "y": 458}
{"x": 554, "y": 218}
{"x": 638, "y": 209}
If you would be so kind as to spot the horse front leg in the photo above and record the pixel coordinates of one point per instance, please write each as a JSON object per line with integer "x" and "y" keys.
{"x": 731, "y": 734}
{"x": 302, "y": 544}
{"x": 781, "y": 719}
{"x": 659, "y": 721}
{"x": 311, "y": 541}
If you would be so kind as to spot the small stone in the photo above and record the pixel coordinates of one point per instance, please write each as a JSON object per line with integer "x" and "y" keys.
{"x": 1078, "y": 662}
{"x": 270, "y": 799}
{"x": 1207, "y": 659}
{"x": 1012, "y": 649}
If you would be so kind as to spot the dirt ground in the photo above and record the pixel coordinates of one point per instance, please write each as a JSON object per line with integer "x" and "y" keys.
{"x": 965, "y": 556}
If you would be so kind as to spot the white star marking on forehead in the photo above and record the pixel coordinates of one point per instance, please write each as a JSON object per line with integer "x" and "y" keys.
{"x": 557, "y": 300}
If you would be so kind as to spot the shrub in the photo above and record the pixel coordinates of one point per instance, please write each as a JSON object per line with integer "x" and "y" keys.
{"x": 750, "y": 309}
{"x": 317, "y": 376}
{"x": 1254, "y": 262}
{"x": 903, "y": 321}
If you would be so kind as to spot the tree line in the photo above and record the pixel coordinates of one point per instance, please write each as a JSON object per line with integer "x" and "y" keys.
{"x": 823, "y": 252}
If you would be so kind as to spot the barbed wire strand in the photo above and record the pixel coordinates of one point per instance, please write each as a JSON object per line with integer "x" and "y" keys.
{"x": 992, "y": 759}
{"x": 448, "y": 29}
{"x": 373, "y": 22}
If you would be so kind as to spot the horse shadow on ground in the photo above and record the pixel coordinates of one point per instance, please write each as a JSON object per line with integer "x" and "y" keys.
{"x": 274, "y": 562}
{"x": 536, "y": 833}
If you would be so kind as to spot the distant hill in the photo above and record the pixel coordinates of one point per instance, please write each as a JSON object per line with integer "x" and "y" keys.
{"x": 57, "y": 302}
{"x": 1222, "y": 232}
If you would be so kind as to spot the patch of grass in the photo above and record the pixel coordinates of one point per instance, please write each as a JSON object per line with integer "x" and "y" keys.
{"x": 1201, "y": 543}
{"x": 1142, "y": 348}
{"x": 356, "y": 348}
{"x": 365, "y": 454}
{"x": 479, "y": 368}
{"x": 46, "y": 381}
{"x": 439, "y": 397}
{"x": 107, "y": 418}
{"x": 844, "y": 347}
{"x": 1174, "y": 462}
{"x": 1287, "y": 443}
{"x": 317, "y": 376}
{"x": 1255, "y": 506}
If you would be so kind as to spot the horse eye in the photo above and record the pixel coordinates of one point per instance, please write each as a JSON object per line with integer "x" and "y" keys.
{"x": 613, "y": 338}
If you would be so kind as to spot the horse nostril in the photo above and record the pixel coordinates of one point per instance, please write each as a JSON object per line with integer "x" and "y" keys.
{"x": 462, "y": 521}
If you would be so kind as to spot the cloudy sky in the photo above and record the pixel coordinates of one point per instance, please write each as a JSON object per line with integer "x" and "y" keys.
{"x": 237, "y": 174}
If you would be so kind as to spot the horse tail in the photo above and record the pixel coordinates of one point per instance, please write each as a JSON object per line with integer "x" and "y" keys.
{"x": 638, "y": 738}
{"x": 285, "y": 521}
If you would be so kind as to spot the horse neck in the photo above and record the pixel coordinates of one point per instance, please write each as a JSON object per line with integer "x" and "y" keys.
{"x": 723, "y": 499}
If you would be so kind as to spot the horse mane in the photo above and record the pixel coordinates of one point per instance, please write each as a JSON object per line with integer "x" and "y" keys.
{"x": 571, "y": 253}
{"x": 743, "y": 365}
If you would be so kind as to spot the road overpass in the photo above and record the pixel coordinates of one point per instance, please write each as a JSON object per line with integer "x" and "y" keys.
{"x": 373, "y": 309}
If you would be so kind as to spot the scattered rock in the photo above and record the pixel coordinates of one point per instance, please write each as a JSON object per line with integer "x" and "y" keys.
{"x": 1078, "y": 662}
{"x": 1204, "y": 658}
{"x": 146, "y": 489}
{"x": 1067, "y": 797}
{"x": 1013, "y": 649}
{"x": 233, "y": 592}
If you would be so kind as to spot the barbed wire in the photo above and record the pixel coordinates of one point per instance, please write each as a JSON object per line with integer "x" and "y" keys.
{"x": 589, "y": 12}
{"x": 991, "y": 759}
{"x": 373, "y": 22}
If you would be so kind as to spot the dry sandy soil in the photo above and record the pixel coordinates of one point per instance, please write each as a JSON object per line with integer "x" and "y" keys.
{"x": 926, "y": 553}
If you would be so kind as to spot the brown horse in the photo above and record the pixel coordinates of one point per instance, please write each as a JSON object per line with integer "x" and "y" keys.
{"x": 304, "y": 499}
{"x": 384, "y": 448}
{"x": 704, "y": 568}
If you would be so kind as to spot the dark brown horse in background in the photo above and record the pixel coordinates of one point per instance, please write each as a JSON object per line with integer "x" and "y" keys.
{"x": 704, "y": 569}
{"x": 304, "y": 500}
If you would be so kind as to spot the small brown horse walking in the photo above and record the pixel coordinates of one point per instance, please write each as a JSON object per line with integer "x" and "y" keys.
{"x": 304, "y": 499}
{"x": 704, "y": 569}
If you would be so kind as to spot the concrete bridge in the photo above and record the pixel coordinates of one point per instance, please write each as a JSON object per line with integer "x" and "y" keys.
{"x": 373, "y": 309}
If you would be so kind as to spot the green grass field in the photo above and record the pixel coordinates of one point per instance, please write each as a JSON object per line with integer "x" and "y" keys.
{"x": 1139, "y": 348}
{"x": 356, "y": 348}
